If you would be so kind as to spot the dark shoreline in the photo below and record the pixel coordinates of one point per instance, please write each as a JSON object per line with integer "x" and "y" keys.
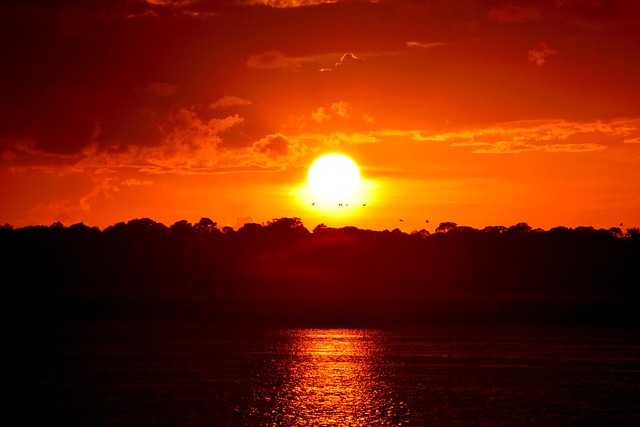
{"x": 280, "y": 273}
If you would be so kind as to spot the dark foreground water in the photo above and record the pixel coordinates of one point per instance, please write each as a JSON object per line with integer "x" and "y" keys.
{"x": 200, "y": 374}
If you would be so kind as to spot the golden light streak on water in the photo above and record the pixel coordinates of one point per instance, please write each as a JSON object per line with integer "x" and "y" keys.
{"x": 335, "y": 378}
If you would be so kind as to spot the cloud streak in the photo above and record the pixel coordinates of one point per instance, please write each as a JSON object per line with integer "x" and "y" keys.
{"x": 422, "y": 45}
{"x": 229, "y": 101}
{"x": 550, "y": 136}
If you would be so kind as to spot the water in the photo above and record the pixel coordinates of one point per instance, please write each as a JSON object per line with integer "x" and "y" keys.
{"x": 199, "y": 374}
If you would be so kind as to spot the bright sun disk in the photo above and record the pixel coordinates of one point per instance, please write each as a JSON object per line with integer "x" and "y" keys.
{"x": 334, "y": 177}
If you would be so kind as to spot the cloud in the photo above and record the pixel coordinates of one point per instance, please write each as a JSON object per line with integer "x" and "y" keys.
{"x": 511, "y": 147}
{"x": 63, "y": 210}
{"x": 320, "y": 115}
{"x": 514, "y": 15}
{"x": 22, "y": 154}
{"x": 424, "y": 45}
{"x": 540, "y": 54}
{"x": 274, "y": 146}
{"x": 72, "y": 210}
{"x": 229, "y": 101}
{"x": 538, "y": 135}
{"x": 131, "y": 182}
{"x": 336, "y": 139}
{"x": 276, "y": 150}
{"x": 341, "y": 109}
{"x": 345, "y": 61}
{"x": 274, "y": 60}
{"x": 277, "y": 60}
{"x": 367, "y": 118}
{"x": 189, "y": 145}
{"x": 347, "y": 58}
{"x": 192, "y": 145}
{"x": 104, "y": 186}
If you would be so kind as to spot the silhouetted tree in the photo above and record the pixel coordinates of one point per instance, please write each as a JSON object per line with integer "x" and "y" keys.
{"x": 519, "y": 228}
{"x": 423, "y": 234}
{"x": 182, "y": 227}
{"x": 616, "y": 232}
{"x": 206, "y": 226}
{"x": 446, "y": 227}
{"x": 495, "y": 229}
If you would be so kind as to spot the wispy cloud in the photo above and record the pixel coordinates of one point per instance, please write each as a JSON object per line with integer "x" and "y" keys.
{"x": 229, "y": 101}
{"x": 538, "y": 135}
{"x": 336, "y": 139}
{"x": 73, "y": 209}
{"x": 132, "y": 182}
{"x": 341, "y": 109}
{"x": 320, "y": 115}
{"x": 423, "y": 45}
{"x": 539, "y": 54}
{"x": 513, "y": 147}
{"x": 345, "y": 60}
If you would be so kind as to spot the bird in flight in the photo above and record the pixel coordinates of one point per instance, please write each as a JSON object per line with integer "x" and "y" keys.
{"x": 401, "y": 220}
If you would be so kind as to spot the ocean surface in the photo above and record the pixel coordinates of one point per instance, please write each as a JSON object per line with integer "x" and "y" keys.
{"x": 207, "y": 374}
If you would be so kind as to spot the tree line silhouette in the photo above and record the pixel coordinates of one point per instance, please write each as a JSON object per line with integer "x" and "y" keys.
{"x": 280, "y": 271}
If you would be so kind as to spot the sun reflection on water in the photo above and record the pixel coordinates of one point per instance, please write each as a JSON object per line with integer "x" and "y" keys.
{"x": 334, "y": 377}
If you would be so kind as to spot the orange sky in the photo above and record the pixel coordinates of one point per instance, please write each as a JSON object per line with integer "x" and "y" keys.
{"x": 480, "y": 113}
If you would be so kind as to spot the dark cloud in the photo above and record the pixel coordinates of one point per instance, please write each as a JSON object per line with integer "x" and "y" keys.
{"x": 273, "y": 145}
{"x": 274, "y": 60}
{"x": 65, "y": 133}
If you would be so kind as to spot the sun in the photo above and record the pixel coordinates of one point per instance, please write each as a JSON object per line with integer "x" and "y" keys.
{"x": 334, "y": 177}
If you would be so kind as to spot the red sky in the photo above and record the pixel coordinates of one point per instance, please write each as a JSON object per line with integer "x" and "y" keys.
{"x": 476, "y": 112}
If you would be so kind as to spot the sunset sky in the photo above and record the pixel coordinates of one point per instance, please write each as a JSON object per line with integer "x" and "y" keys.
{"x": 477, "y": 112}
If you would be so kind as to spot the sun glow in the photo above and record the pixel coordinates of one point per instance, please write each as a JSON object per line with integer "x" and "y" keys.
{"x": 334, "y": 178}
